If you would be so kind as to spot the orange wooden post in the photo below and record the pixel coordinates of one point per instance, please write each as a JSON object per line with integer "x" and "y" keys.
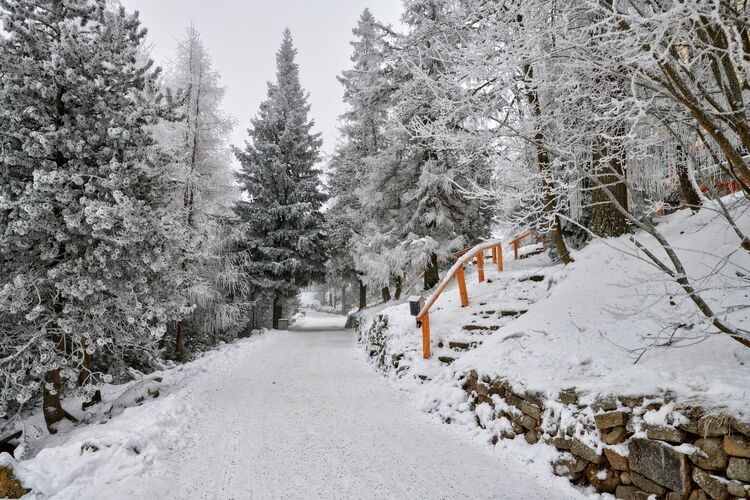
{"x": 480, "y": 266}
{"x": 500, "y": 258}
{"x": 515, "y": 249}
{"x": 494, "y": 255}
{"x": 462, "y": 287}
{"x": 426, "y": 336}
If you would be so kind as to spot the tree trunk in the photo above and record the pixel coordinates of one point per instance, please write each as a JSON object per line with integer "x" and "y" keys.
{"x": 84, "y": 378}
{"x": 431, "y": 273}
{"x": 277, "y": 310}
{"x": 52, "y": 390}
{"x": 51, "y": 403}
{"x": 550, "y": 200}
{"x": 692, "y": 199}
{"x": 362, "y": 295}
{"x": 386, "y": 292}
{"x": 180, "y": 342}
{"x": 399, "y": 285}
{"x": 343, "y": 299}
{"x": 606, "y": 220}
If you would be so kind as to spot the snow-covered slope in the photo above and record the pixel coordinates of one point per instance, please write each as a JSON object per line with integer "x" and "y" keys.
{"x": 148, "y": 420}
{"x": 610, "y": 323}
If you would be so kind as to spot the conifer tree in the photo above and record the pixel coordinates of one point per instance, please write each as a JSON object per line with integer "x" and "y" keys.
{"x": 424, "y": 207}
{"x": 205, "y": 194}
{"x": 366, "y": 92}
{"x": 85, "y": 270}
{"x": 282, "y": 246}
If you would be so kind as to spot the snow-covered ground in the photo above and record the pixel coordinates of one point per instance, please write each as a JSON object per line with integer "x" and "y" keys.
{"x": 296, "y": 414}
{"x": 608, "y": 324}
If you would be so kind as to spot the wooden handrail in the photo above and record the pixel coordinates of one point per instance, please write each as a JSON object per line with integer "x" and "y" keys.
{"x": 457, "y": 271}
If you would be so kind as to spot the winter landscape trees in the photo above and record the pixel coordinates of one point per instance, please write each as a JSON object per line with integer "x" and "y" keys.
{"x": 87, "y": 238}
{"x": 580, "y": 119}
{"x": 117, "y": 203}
{"x": 282, "y": 245}
{"x": 133, "y": 236}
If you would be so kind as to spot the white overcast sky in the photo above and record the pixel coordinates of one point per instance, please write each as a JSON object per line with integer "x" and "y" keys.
{"x": 244, "y": 35}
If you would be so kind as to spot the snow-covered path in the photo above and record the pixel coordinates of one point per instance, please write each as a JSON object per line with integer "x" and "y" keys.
{"x": 302, "y": 415}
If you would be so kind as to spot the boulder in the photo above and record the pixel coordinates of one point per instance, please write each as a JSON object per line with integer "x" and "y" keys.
{"x": 607, "y": 403}
{"x": 741, "y": 427}
{"x": 615, "y": 435}
{"x": 603, "y": 479}
{"x": 630, "y": 493}
{"x": 714, "y": 487}
{"x": 616, "y": 461}
{"x": 669, "y": 434}
{"x": 532, "y": 437}
{"x": 586, "y": 452}
{"x": 737, "y": 446}
{"x": 446, "y": 359}
{"x": 528, "y": 423}
{"x": 738, "y": 489}
{"x": 611, "y": 419}
{"x": 673, "y": 495}
{"x": 560, "y": 443}
{"x": 569, "y": 466}
{"x": 660, "y": 463}
{"x": 645, "y": 484}
{"x": 739, "y": 469}
{"x": 482, "y": 389}
{"x": 712, "y": 457}
{"x": 531, "y": 410}
{"x": 568, "y": 396}
{"x": 698, "y": 495}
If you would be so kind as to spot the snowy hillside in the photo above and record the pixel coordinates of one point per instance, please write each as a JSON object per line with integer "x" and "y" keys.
{"x": 610, "y": 323}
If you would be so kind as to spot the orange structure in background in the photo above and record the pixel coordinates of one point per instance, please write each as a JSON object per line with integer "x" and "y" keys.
{"x": 457, "y": 271}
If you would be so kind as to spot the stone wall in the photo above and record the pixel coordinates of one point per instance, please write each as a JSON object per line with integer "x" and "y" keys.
{"x": 632, "y": 447}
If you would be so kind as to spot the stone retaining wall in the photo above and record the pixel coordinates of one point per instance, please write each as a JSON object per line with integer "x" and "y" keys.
{"x": 633, "y": 447}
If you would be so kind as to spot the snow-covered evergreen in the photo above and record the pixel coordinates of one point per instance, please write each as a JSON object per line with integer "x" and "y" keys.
{"x": 281, "y": 246}
{"x": 206, "y": 192}
{"x": 367, "y": 92}
{"x": 87, "y": 276}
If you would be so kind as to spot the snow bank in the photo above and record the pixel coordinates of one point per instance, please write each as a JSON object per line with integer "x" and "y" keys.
{"x": 136, "y": 426}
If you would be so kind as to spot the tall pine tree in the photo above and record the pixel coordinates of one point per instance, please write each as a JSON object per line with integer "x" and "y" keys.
{"x": 283, "y": 245}
{"x": 85, "y": 267}
{"x": 367, "y": 89}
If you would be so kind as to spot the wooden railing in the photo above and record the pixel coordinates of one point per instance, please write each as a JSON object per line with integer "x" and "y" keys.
{"x": 457, "y": 271}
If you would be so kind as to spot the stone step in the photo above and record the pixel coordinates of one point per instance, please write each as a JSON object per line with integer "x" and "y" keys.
{"x": 463, "y": 345}
{"x": 537, "y": 278}
{"x": 478, "y": 328}
{"x": 511, "y": 313}
{"x": 446, "y": 359}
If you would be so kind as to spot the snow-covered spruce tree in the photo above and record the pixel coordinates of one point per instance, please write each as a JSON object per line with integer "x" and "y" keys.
{"x": 282, "y": 248}
{"x": 425, "y": 185}
{"x": 367, "y": 89}
{"x": 205, "y": 194}
{"x": 86, "y": 270}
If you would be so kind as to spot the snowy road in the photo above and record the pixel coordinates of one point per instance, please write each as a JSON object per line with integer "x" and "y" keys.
{"x": 304, "y": 416}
